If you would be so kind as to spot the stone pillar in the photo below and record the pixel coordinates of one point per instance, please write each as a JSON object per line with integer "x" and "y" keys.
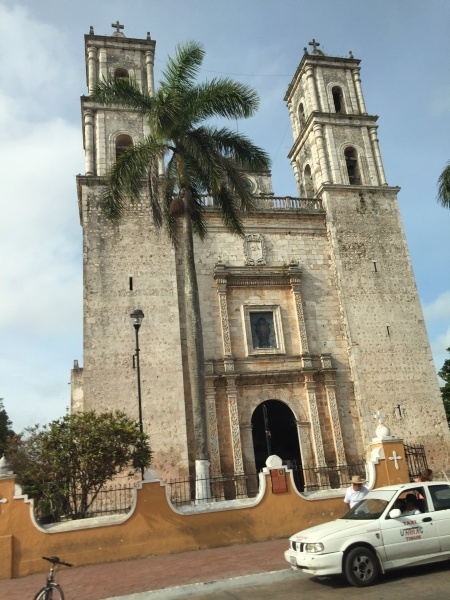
{"x": 103, "y": 66}
{"x": 317, "y": 441}
{"x": 238, "y": 464}
{"x": 318, "y": 133}
{"x": 92, "y": 68}
{"x": 220, "y": 276}
{"x": 89, "y": 142}
{"x": 359, "y": 94}
{"x": 330, "y": 388}
{"x": 294, "y": 280}
{"x": 305, "y": 442}
{"x": 213, "y": 434}
{"x": 312, "y": 88}
{"x": 149, "y": 62}
{"x": 377, "y": 155}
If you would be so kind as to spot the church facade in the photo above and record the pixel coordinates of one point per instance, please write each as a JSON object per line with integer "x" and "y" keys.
{"x": 312, "y": 322}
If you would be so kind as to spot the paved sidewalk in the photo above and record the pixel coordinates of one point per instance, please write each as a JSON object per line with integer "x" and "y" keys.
{"x": 122, "y": 579}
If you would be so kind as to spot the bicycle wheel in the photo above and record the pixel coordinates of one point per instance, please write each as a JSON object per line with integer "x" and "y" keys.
{"x": 50, "y": 592}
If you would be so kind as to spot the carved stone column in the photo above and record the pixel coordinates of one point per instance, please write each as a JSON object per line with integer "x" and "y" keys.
{"x": 238, "y": 463}
{"x": 377, "y": 155}
{"x": 359, "y": 94}
{"x": 213, "y": 433}
{"x": 330, "y": 388}
{"x": 89, "y": 142}
{"x": 149, "y": 62}
{"x": 318, "y": 133}
{"x": 103, "y": 64}
{"x": 220, "y": 276}
{"x": 294, "y": 278}
{"x": 92, "y": 68}
{"x": 305, "y": 442}
{"x": 317, "y": 441}
{"x": 312, "y": 88}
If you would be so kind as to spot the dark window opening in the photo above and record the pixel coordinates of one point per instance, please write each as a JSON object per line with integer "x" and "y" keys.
{"x": 121, "y": 74}
{"x": 130, "y": 283}
{"x": 308, "y": 182}
{"x": 351, "y": 162}
{"x": 123, "y": 142}
{"x": 301, "y": 114}
{"x": 338, "y": 100}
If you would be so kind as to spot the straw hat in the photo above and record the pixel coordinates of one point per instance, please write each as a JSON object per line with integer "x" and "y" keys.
{"x": 357, "y": 479}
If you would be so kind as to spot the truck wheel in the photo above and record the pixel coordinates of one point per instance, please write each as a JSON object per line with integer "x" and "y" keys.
{"x": 361, "y": 567}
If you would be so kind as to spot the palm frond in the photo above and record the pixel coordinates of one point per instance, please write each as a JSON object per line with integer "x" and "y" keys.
{"x": 127, "y": 177}
{"x": 224, "y": 98}
{"x": 226, "y": 201}
{"x": 443, "y": 196}
{"x": 241, "y": 149}
{"x": 182, "y": 70}
{"x": 124, "y": 92}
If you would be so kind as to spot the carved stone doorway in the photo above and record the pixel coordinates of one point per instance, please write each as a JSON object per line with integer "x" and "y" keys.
{"x": 274, "y": 431}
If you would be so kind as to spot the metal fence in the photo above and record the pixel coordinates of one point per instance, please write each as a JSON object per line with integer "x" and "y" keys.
{"x": 192, "y": 491}
{"x": 110, "y": 500}
{"x": 416, "y": 460}
{"x": 329, "y": 477}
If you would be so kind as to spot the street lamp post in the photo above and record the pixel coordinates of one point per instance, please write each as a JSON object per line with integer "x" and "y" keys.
{"x": 137, "y": 317}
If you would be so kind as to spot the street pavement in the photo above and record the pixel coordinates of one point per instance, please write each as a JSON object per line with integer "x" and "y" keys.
{"x": 255, "y": 571}
{"x": 131, "y": 578}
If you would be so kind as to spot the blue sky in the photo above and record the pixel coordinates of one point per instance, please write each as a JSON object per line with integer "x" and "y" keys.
{"x": 404, "y": 47}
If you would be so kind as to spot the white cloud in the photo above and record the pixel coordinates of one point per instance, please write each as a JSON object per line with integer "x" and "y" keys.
{"x": 439, "y": 308}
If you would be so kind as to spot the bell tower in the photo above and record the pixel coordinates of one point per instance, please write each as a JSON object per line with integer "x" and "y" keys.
{"x": 336, "y": 158}
{"x": 335, "y": 138}
{"x": 127, "y": 265}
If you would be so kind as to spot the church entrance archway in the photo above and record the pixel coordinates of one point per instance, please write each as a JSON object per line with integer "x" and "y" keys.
{"x": 274, "y": 431}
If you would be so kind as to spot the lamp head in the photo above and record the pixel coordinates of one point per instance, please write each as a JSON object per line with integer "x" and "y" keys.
{"x": 137, "y": 317}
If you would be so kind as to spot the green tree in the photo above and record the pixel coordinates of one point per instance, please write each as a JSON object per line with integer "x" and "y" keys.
{"x": 444, "y": 374}
{"x": 443, "y": 196}
{"x": 5, "y": 428}
{"x": 197, "y": 158}
{"x": 63, "y": 465}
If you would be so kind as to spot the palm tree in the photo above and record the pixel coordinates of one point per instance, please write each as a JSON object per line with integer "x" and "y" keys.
{"x": 443, "y": 195}
{"x": 182, "y": 159}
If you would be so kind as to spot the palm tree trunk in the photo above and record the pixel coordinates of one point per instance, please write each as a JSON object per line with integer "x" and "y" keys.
{"x": 196, "y": 361}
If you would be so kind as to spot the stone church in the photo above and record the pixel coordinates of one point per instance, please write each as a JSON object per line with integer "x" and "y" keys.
{"x": 312, "y": 323}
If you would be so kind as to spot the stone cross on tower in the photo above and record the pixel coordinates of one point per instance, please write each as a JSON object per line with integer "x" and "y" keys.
{"x": 315, "y": 45}
{"x": 118, "y": 26}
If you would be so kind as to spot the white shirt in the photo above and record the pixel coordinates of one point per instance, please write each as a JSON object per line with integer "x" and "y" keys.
{"x": 411, "y": 511}
{"x": 352, "y": 496}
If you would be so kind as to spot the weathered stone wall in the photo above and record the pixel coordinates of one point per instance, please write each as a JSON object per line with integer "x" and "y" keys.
{"x": 117, "y": 257}
{"x": 389, "y": 350}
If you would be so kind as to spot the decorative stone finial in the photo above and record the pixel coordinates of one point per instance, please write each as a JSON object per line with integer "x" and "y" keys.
{"x": 350, "y": 54}
{"x": 148, "y": 35}
{"x": 91, "y": 30}
{"x": 382, "y": 431}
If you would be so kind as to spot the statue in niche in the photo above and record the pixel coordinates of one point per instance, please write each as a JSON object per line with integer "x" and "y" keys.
{"x": 262, "y": 330}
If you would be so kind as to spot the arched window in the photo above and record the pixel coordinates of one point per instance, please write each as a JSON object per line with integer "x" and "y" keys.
{"x": 123, "y": 142}
{"x": 351, "y": 162}
{"x": 301, "y": 114}
{"x": 308, "y": 182}
{"x": 121, "y": 74}
{"x": 338, "y": 99}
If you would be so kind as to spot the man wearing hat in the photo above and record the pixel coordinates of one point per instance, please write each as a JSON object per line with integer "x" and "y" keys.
{"x": 355, "y": 492}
